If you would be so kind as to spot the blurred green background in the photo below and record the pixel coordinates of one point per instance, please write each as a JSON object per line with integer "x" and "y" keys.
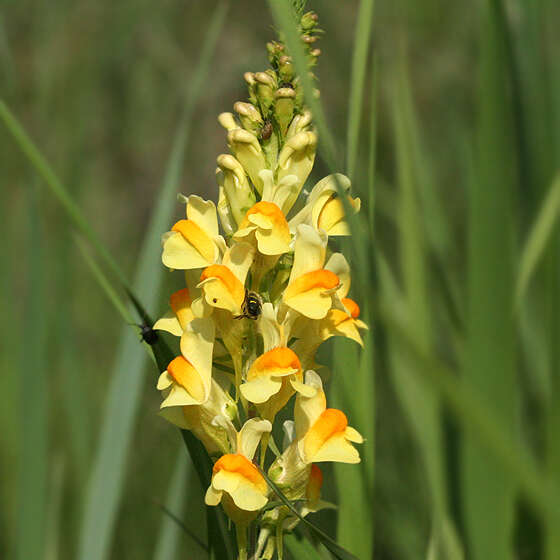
{"x": 467, "y": 112}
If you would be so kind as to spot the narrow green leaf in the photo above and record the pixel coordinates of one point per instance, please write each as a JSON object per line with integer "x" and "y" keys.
{"x": 301, "y": 549}
{"x": 418, "y": 399}
{"x": 329, "y": 543}
{"x": 106, "y": 483}
{"x": 364, "y": 24}
{"x": 476, "y": 416}
{"x": 33, "y": 423}
{"x": 489, "y": 493}
{"x": 56, "y": 492}
{"x": 171, "y": 525}
{"x": 59, "y": 191}
{"x": 355, "y": 396}
{"x": 538, "y": 238}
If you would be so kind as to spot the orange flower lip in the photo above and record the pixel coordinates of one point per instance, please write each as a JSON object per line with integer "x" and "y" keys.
{"x": 275, "y": 359}
{"x": 311, "y": 280}
{"x": 223, "y": 273}
{"x": 268, "y": 209}
{"x": 185, "y": 375}
{"x": 331, "y": 422}
{"x": 237, "y": 463}
{"x": 352, "y": 306}
{"x": 196, "y": 236}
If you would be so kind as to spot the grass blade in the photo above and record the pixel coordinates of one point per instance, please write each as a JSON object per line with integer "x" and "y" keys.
{"x": 59, "y": 191}
{"x": 418, "y": 399}
{"x": 106, "y": 483}
{"x": 170, "y": 530}
{"x": 359, "y": 62}
{"x": 537, "y": 240}
{"x": 301, "y": 549}
{"x": 488, "y": 494}
{"x": 33, "y": 470}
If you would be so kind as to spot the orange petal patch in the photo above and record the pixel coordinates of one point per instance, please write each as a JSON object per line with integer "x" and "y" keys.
{"x": 226, "y": 276}
{"x": 237, "y": 463}
{"x": 184, "y": 374}
{"x": 352, "y": 306}
{"x": 274, "y": 360}
{"x": 311, "y": 280}
{"x": 197, "y": 237}
{"x": 180, "y": 303}
{"x": 331, "y": 422}
{"x": 270, "y": 210}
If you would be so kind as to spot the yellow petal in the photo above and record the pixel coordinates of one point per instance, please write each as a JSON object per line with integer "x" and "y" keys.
{"x": 169, "y": 323}
{"x": 203, "y": 213}
{"x": 179, "y": 254}
{"x": 222, "y": 289}
{"x": 248, "y": 152}
{"x": 326, "y": 439}
{"x": 197, "y": 344}
{"x": 236, "y": 475}
{"x": 276, "y": 362}
{"x": 164, "y": 381}
{"x": 261, "y": 389}
{"x": 250, "y": 435}
{"x": 353, "y": 435}
{"x": 272, "y": 233}
{"x": 239, "y": 259}
{"x": 338, "y": 264}
{"x": 188, "y": 378}
{"x": 309, "y": 407}
{"x": 213, "y": 497}
{"x": 309, "y": 252}
{"x": 337, "y": 449}
{"x": 311, "y": 293}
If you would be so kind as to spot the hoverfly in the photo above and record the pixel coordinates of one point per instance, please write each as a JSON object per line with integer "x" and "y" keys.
{"x": 252, "y": 306}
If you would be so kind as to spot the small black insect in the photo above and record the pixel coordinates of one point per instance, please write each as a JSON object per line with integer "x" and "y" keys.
{"x": 287, "y": 85}
{"x": 266, "y": 130}
{"x": 148, "y": 335}
{"x": 252, "y": 306}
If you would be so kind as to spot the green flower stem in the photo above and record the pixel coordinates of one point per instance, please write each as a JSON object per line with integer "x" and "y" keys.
{"x": 241, "y": 532}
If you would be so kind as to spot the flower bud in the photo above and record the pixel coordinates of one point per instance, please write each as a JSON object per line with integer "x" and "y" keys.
{"x": 309, "y": 21}
{"x": 238, "y": 192}
{"x": 249, "y": 116}
{"x": 265, "y": 86}
{"x": 299, "y": 123}
{"x": 227, "y": 120}
{"x": 296, "y": 158}
{"x": 249, "y": 153}
{"x": 285, "y": 68}
{"x": 284, "y": 108}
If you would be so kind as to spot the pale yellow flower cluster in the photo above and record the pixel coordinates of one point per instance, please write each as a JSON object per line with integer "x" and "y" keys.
{"x": 261, "y": 296}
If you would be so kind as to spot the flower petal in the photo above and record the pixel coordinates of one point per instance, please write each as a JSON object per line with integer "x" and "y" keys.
{"x": 308, "y": 409}
{"x": 338, "y": 264}
{"x": 239, "y": 259}
{"x": 169, "y": 323}
{"x": 203, "y": 213}
{"x": 261, "y": 389}
{"x": 311, "y": 293}
{"x": 222, "y": 288}
{"x": 250, "y": 435}
{"x": 309, "y": 253}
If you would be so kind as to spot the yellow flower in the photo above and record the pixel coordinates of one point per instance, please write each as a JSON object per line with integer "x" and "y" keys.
{"x": 188, "y": 377}
{"x": 236, "y": 481}
{"x": 311, "y": 288}
{"x": 322, "y": 433}
{"x": 194, "y": 242}
{"x": 181, "y": 314}
{"x": 246, "y": 148}
{"x": 324, "y": 209}
{"x": 269, "y": 226}
{"x": 269, "y": 380}
{"x": 223, "y": 285}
